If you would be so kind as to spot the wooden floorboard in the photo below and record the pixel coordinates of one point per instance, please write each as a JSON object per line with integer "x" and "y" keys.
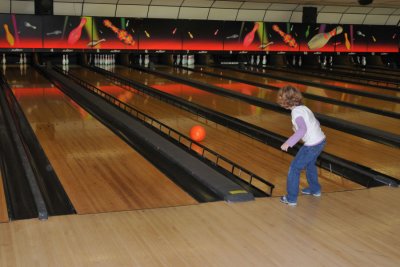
{"x": 353, "y": 228}
{"x": 3, "y": 204}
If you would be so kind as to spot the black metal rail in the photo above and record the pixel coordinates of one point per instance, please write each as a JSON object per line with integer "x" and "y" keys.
{"x": 206, "y": 153}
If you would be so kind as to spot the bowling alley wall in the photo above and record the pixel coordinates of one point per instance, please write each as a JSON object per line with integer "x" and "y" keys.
{"x": 85, "y": 34}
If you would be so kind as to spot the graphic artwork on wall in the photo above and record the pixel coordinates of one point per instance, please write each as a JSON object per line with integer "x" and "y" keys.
{"x": 20, "y": 31}
{"x": 201, "y": 35}
{"x": 67, "y": 32}
{"x": 353, "y": 39}
{"x": 164, "y": 34}
{"x": 319, "y": 37}
{"x": 243, "y": 36}
{"x": 115, "y": 33}
{"x": 281, "y": 37}
{"x": 383, "y": 39}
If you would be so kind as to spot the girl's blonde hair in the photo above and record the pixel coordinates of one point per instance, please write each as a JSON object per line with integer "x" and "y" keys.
{"x": 289, "y": 96}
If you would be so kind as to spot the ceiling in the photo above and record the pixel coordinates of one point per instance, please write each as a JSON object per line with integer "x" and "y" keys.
{"x": 380, "y": 12}
{"x": 375, "y": 3}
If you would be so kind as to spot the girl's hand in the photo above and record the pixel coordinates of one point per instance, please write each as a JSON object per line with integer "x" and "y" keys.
{"x": 284, "y": 147}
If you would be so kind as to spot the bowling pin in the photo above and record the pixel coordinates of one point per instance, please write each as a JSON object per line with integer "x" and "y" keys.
{"x": 25, "y": 59}
{"x": 76, "y": 33}
{"x": 146, "y": 60}
{"x": 184, "y": 60}
{"x": 321, "y": 39}
{"x": 63, "y": 60}
{"x": 364, "y": 61}
{"x": 300, "y": 61}
{"x": 264, "y": 60}
{"x": 4, "y": 59}
{"x": 258, "y": 60}
{"x": 9, "y": 36}
{"x": 294, "y": 61}
{"x": 252, "y": 60}
{"x": 248, "y": 39}
{"x": 21, "y": 59}
{"x": 178, "y": 60}
{"x": 347, "y": 42}
{"x": 140, "y": 60}
{"x": 330, "y": 60}
{"x": 66, "y": 59}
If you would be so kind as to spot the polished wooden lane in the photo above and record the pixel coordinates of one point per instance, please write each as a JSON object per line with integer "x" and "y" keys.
{"x": 365, "y": 88}
{"x": 255, "y": 156}
{"x": 99, "y": 172}
{"x": 374, "y": 155}
{"x": 3, "y": 204}
{"x": 360, "y": 72}
{"x": 342, "y": 112}
{"x": 353, "y": 228}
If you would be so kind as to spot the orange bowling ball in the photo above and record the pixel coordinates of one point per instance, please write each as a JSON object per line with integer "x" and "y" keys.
{"x": 197, "y": 133}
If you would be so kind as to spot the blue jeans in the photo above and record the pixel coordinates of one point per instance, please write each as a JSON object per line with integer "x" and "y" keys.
{"x": 305, "y": 158}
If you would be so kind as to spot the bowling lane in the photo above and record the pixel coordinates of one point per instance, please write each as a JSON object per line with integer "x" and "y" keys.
{"x": 327, "y": 81}
{"x": 376, "y": 156}
{"x": 362, "y": 72}
{"x": 3, "y": 204}
{"x": 321, "y": 80}
{"x": 99, "y": 171}
{"x": 345, "y": 113}
{"x": 257, "y": 157}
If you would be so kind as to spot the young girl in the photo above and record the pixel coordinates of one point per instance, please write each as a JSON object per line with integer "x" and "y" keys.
{"x": 307, "y": 128}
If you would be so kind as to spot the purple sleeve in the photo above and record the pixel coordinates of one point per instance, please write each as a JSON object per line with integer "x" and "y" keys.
{"x": 301, "y": 131}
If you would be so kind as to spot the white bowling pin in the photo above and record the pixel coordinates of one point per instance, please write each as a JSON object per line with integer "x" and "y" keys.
{"x": 258, "y": 60}
{"x": 252, "y": 60}
{"x": 364, "y": 61}
{"x": 4, "y": 59}
{"x": 21, "y": 60}
{"x": 66, "y": 59}
{"x": 63, "y": 60}
{"x": 264, "y": 60}
{"x": 184, "y": 60}
{"x": 300, "y": 61}
{"x": 25, "y": 59}
{"x": 321, "y": 39}
{"x": 140, "y": 60}
{"x": 294, "y": 61}
{"x": 178, "y": 60}
{"x": 146, "y": 60}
